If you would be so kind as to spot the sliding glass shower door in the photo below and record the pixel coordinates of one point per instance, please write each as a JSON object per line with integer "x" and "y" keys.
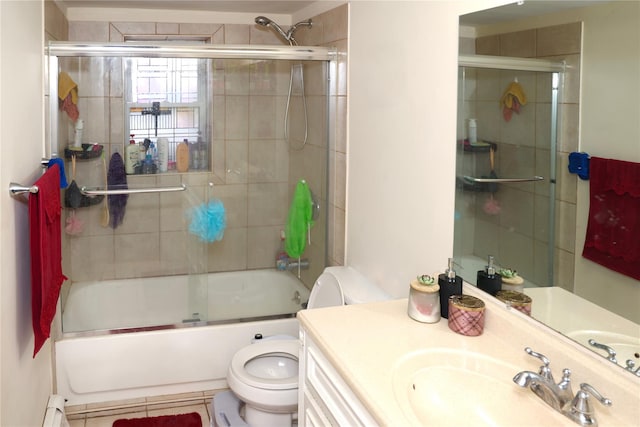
{"x": 505, "y": 195}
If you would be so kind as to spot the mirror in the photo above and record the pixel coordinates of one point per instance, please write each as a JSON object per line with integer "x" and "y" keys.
{"x": 600, "y": 42}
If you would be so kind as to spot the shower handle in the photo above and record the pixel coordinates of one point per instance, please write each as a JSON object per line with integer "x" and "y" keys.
{"x": 503, "y": 180}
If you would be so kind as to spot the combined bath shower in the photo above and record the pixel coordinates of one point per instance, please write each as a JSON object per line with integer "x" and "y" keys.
{"x": 288, "y": 37}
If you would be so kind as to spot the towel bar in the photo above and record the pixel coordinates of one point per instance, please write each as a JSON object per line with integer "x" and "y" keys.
{"x": 17, "y": 191}
{"x": 87, "y": 191}
{"x": 502, "y": 180}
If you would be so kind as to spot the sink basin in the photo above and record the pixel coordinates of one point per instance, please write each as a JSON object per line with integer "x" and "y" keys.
{"x": 626, "y": 347}
{"x": 453, "y": 387}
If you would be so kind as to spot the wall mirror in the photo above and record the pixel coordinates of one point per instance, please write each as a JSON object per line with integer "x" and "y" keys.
{"x": 536, "y": 224}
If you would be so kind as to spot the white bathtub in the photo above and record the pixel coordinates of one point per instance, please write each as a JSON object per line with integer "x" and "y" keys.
{"x": 174, "y": 300}
{"x": 129, "y": 365}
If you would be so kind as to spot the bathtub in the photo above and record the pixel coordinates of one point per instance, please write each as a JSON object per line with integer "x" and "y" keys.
{"x": 190, "y": 354}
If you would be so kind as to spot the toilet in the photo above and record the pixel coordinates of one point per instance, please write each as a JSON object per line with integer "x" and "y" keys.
{"x": 264, "y": 375}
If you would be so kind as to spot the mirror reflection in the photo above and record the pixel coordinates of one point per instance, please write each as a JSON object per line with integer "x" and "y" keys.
{"x": 516, "y": 200}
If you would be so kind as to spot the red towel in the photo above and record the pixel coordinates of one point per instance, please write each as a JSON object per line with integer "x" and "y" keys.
{"x": 46, "y": 256}
{"x": 613, "y": 230}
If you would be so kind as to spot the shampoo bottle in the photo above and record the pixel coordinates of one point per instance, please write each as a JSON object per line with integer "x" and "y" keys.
{"x": 131, "y": 154}
{"x": 488, "y": 280}
{"x": 163, "y": 154}
{"x": 450, "y": 284}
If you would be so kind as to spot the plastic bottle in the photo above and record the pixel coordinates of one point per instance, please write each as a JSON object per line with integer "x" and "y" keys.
{"x": 450, "y": 284}
{"x": 488, "y": 280}
{"x": 182, "y": 156}
{"x": 77, "y": 137}
{"x": 282, "y": 259}
{"x": 163, "y": 154}
{"x": 203, "y": 153}
{"x": 473, "y": 131}
{"x": 131, "y": 156}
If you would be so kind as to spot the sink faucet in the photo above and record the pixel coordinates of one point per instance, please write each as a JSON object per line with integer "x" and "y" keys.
{"x": 560, "y": 396}
{"x": 543, "y": 384}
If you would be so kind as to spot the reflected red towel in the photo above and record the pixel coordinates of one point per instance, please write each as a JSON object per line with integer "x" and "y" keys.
{"x": 46, "y": 256}
{"x": 613, "y": 229}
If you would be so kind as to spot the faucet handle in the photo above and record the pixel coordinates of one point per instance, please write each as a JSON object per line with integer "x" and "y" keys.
{"x": 611, "y": 353}
{"x": 580, "y": 409}
{"x": 545, "y": 371}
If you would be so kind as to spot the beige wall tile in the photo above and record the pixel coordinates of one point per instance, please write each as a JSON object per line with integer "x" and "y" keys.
{"x": 263, "y": 244}
{"x": 268, "y": 204}
{"x": 167, "y": 28}
{"x": 516, "y": 251}
{"x": 566, "y": 226}
{"x": 559, "y": 39}
{"x": 92, "y": 258}
{"x": 236, "y": 34}
{"x": 230, "y": 253}
{"x": 237, "y": 117}
{"x": 335, "y": 24}
{"x": 137, "y": 255}
{"x": 564, "y": 269}
{"x": 519, "y": 43}
{"x": 268, "y": 161}
{"x": 88, "y": 31}
{"x": 568, "y": 125}
{"x": 488, "y": 45}
{"x": 237, "y": 154}
{"x": 199, "y": 29}
{"x": 135, "y": 28}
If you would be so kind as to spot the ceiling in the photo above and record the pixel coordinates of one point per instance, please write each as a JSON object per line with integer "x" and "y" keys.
{"x": 528, "y": 8}
{"x": 240, "y": 6}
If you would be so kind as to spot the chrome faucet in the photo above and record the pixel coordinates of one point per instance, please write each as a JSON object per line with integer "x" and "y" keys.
{"x": 611, "y": 353}
{"x": 630, "y": 367}
{"x": 560, "y": 396}
{"x": 543, "y": 384}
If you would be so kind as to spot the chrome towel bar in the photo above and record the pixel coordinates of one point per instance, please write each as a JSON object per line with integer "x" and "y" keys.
{"x": 503, "y": 180}
{"x": 89, "y": 191}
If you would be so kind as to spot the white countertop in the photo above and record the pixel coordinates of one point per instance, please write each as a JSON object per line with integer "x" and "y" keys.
{"x": 365, "y": 342}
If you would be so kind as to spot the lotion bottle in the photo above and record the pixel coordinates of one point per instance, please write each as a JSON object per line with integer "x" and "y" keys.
{"x": 488, "y": 280}
{"x": 131, "y": 154}
{"x": 450, "y": 284}
{"x": 182, "y": 156}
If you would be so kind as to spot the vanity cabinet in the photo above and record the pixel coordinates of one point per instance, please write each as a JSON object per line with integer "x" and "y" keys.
{"x": 325, "y": 398}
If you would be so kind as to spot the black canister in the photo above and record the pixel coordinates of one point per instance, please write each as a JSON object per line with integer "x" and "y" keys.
{"x": 450, "y": 284}
{"x": 488, "y": 280}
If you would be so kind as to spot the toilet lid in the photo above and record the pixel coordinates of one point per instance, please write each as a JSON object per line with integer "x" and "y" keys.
{"x": 286, "y": 349}
{"x": 326, "y": 292}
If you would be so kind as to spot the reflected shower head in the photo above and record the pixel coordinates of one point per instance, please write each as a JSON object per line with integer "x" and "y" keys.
{"x": 288, "y": 36}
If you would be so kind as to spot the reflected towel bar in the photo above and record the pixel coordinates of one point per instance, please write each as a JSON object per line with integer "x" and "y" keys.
{"x": 503, "y": 180}
{"x": 87, "y": 191}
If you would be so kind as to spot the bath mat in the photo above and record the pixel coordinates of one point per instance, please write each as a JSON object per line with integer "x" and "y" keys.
{"x": 191, "y": 419}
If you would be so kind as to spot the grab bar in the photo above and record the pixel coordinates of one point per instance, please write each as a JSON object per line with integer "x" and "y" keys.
{"x": 504, "y": 180}
{"x": 88, "y": 191}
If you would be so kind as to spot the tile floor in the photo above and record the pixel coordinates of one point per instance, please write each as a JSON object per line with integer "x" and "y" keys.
{"x": 104, "y": 414}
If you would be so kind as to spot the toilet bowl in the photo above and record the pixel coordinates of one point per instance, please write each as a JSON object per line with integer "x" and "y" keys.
{"x": 264, "y": 375}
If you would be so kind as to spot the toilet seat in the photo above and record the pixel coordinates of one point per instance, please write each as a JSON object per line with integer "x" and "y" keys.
{"x": 284, "y": 348}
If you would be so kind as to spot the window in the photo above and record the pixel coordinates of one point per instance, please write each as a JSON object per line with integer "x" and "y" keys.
{"x": 168, "y": 97}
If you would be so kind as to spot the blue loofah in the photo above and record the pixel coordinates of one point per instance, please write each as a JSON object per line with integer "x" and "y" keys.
{"x": 208, "y": 221}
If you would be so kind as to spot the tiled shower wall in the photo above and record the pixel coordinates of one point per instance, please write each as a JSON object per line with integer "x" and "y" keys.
{"x": 518, "y": 235}
{"x": 152, "y": 240}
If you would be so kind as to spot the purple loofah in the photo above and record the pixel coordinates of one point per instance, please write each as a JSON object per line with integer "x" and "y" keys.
{"x": 116, "y": 180}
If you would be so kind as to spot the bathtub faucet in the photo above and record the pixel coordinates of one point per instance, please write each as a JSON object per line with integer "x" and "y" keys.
{"x": 295, "y": 264}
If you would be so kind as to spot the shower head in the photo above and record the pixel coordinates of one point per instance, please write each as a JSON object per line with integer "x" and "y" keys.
{"x": 266, "y": 22}
{"x": 288, "y": 36}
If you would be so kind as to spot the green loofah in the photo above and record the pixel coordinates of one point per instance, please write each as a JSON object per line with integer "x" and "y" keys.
{"x": 300, "y": 220}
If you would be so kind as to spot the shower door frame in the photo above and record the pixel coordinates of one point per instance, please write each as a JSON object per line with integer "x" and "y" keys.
{"x": 556, "y": 68}
{"x": 55, "y": 50}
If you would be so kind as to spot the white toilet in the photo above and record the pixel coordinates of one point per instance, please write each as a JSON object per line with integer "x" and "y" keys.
{"x": 264, "y": 375}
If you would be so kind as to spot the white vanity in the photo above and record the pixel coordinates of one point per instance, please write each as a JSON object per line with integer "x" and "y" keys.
{"x": 370, "y": 364}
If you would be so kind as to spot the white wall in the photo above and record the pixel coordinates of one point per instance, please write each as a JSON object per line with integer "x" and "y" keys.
{"x": 26, "y": 382}
{"x": 403, "y": 60}
{"x": 609, "y": 127}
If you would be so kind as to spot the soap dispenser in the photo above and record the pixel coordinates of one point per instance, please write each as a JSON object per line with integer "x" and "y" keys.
{"x": 488, "y": 280}
{"x": 450, "y": 284}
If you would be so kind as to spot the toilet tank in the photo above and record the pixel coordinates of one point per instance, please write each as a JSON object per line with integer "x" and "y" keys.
{"x": 344, "y": 285}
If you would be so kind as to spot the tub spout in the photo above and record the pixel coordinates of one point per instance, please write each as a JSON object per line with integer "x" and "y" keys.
{"x": 295, "y": 264}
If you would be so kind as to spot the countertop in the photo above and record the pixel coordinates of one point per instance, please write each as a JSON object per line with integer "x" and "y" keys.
{"x": 365, "y": 343}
